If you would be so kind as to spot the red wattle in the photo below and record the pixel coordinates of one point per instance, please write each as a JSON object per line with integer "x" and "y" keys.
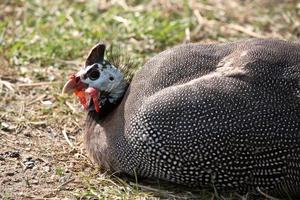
{"x": 81, "y": 95}
{"x": 94, "y": 95}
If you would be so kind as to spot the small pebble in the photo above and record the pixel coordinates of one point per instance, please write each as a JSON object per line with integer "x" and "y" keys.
{"x": 34, "y": 181}
{"x": 11, "y": 154}
{"x": 46, "y": 169}
{"x": 27, "y": 134}
{"x": 14, "y": 154}
{"x": 9, "y": 173}
{"x": 6, "y": 127}
{"x": 29, "y": 163}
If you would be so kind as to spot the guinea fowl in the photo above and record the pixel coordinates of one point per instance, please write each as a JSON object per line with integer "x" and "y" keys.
{"x": 226, "y": 115}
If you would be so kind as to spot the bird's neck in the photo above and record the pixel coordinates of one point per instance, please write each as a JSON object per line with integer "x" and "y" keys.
{"x": 108, "y": 101}
{"x": 115, "y": 94}
{"x": 102, "y": 136}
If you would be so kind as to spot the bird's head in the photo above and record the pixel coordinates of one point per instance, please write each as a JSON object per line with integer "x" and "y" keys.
{"x": 99, "y": 83}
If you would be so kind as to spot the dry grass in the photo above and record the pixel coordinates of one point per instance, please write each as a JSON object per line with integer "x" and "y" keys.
{"x": 41, "y": 153}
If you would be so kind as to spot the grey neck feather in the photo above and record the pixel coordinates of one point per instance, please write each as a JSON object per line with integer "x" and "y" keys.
{"x": 118, "y": 91}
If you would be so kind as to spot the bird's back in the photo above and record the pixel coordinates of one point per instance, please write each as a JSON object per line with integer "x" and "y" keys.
{"x": 257, "y": 59}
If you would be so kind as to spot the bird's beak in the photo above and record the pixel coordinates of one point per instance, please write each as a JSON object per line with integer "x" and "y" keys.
{"x": 82, "y": 91}
{"x": 69, "y": 87}
{"x": 74, "y": 84}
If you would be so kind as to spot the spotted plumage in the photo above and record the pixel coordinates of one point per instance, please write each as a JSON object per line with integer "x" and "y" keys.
{"x": 221, "y": 115}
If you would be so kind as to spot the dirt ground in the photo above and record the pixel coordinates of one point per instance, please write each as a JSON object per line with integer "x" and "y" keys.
{"x": 38, "y": 158}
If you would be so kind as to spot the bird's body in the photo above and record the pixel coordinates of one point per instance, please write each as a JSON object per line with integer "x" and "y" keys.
{"x": 222, "y": 115}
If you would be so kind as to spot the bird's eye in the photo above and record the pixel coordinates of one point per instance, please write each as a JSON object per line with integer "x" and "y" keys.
{"x": 93, "y": 75}
{"x": 111, "y": 78}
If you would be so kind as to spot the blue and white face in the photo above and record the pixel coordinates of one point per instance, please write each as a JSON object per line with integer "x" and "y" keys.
{"x": 103, "y": 76}
{"x": 98, "y": 81}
